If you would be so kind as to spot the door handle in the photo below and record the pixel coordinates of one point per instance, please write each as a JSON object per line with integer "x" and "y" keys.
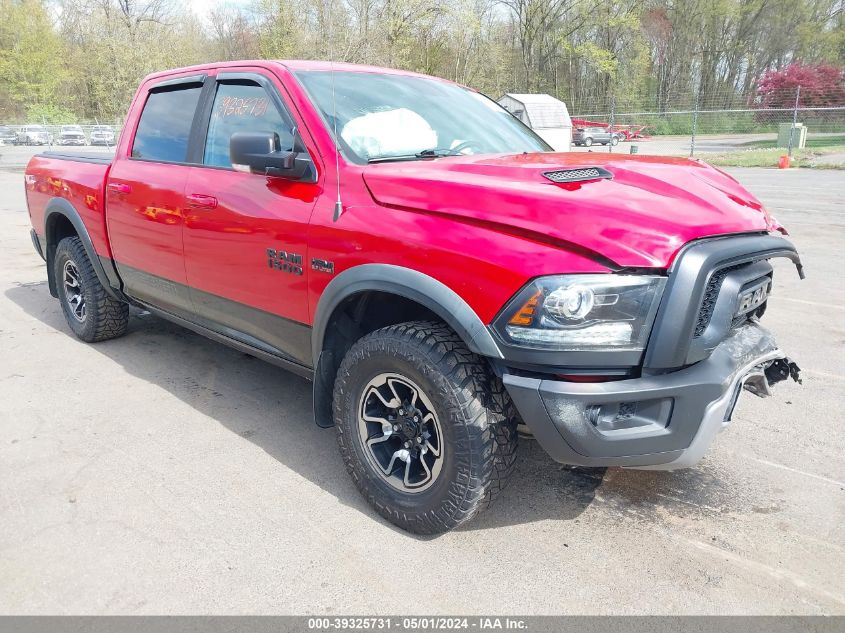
{"x": 119, "y": 187}
{"x": 201, "y": 201}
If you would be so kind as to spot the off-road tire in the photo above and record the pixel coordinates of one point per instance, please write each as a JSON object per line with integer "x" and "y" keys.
{"x": 105, "y": 317}
{"x": 476, "y": 415}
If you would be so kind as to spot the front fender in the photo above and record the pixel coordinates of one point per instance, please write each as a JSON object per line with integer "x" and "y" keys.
{"x": 405, "y": 282}
{"x": 411, "y": 284}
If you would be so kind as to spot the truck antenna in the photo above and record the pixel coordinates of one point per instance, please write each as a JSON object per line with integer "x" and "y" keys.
{"x": 338, "y": 205}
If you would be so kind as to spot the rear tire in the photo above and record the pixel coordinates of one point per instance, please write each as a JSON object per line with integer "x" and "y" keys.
{"x": 432, "y": 476}
{"x": 89, "y": 310}
{"x": 588, "y": 142}
{"x": 614, "y": 141}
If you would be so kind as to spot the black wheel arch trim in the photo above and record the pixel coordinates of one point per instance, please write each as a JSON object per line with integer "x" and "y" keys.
{"x": 61, "y": 207}
{"x": 410, "y": 284}
{"x": 404, "y": 282}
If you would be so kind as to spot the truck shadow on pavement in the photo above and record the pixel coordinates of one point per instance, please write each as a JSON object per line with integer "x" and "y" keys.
{"x": 272, "y": 408}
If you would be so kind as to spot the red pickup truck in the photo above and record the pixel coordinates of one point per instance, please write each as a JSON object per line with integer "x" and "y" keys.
{"x": 425, "y": 259}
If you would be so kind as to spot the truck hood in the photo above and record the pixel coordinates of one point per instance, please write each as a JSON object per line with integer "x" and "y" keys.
{"x": 640, "y": 217}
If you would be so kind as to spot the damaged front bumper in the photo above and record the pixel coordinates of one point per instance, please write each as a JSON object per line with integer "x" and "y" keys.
{"x": 661, "y": 422}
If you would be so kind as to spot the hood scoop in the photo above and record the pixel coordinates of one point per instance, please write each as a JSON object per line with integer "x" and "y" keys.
{"x": 580, "y": 174}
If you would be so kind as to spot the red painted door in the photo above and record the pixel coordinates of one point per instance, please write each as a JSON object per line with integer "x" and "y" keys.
{"x": 245, "y": 235}
{"x": 145, "y": 196}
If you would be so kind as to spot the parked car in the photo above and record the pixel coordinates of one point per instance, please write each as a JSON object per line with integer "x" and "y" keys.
{"x": 588, "y": 136}
{"x": 436, "y": 271}
{"x": 7, "y": 135}
{"x": 102, "y": 135}
{"x": 33, "y": 135}
{"x": 71, "y": 135}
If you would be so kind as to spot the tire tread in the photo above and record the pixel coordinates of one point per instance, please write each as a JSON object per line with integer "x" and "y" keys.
{"x": 482, "y": 401}
{"x": 110, "y": 317}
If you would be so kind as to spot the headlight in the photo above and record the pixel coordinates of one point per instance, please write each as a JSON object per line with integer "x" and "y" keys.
{"x": 583, "y": 312}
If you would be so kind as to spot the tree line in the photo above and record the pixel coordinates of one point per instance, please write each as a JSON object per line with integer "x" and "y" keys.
{"x": 81, "y": 60}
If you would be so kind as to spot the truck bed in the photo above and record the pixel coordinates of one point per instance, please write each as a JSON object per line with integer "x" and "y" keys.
{"x": 78, "y": 179}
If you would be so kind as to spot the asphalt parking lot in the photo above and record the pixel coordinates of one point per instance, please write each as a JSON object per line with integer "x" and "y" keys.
{"x": 165, "y": 473}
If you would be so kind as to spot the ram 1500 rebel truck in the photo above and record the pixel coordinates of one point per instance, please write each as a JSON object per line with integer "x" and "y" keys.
{"x": 430, "y": 264}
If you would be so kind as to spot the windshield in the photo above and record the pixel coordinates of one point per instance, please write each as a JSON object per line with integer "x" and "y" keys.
{"x": 383, "y": 117}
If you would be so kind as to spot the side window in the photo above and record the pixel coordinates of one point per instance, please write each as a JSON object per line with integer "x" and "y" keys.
{"x": 165, "y": 125}
{"x": 242, "y": 108}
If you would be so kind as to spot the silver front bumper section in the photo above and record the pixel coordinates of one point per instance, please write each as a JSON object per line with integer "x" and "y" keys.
{"x": 662, "y": 421}
{"x": 717, "y": 415}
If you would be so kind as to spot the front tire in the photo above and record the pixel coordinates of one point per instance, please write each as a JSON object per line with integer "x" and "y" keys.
{"x": 90, "y": 312}
{"x": 588, "y": 142}
{"x": 426, "y": 431}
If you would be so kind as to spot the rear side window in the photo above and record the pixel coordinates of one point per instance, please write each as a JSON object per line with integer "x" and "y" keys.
{"x": 243, "y": 107}
{"x": 165, "y": 125}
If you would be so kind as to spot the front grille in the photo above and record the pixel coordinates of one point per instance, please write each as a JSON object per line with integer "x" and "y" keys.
{"x": 578, "y": 175}
{"x": 711, "y": 294}
{"x": 686, "y": 329}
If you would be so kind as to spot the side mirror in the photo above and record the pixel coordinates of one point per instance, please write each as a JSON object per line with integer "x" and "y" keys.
{"x": 260, "y": 153}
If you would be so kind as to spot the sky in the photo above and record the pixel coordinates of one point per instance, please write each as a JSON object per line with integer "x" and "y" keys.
{"x": 203, "y": 7}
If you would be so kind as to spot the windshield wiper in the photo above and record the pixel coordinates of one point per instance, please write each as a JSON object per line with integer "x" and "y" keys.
{"x": 426, "y": 153}
{"x": 437, "y": 152}
{"x": 387, "y": 159}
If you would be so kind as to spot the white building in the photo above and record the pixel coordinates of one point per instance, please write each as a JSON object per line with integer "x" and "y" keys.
{"x": 544, "y": 114}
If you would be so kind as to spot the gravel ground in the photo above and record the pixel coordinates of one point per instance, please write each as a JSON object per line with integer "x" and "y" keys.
{"x": 164, "y": 473}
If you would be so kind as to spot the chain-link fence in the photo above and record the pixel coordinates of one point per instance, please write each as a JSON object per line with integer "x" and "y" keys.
{"x": 786, "y": 121}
